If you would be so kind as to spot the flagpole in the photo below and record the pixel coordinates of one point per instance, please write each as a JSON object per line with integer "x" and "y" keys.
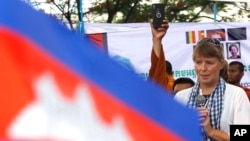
{"x": 80, "y": 26}
{"x": 215, "y": 11}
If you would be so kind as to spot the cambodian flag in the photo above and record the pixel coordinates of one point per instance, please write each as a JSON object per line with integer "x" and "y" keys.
{"x": 55, "y": 85}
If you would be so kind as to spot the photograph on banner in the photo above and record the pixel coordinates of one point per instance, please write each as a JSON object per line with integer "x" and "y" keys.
{"x": 237, "y": 33}
{"x": 217, "y": 33}
{"x": 233, "y": 50}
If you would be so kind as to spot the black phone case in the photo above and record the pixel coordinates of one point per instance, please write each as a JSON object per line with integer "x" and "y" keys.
{"x": 158, "y": 12}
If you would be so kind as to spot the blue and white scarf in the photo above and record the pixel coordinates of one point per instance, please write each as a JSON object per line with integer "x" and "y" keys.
{"x": 214, "y": 104}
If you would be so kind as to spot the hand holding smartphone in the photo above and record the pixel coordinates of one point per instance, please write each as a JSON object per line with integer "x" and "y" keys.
{"x": 158, "y": 12}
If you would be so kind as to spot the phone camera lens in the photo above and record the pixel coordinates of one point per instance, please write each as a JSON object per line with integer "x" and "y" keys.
{"x": 158, "y": 14}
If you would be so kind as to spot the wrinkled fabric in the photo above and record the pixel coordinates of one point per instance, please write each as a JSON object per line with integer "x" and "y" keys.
{"x": 247, "y": 90}
{"x": 158, "y": 72}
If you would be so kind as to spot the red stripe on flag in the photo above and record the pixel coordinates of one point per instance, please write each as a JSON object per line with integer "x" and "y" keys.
{"x": 23, "y": 61}
{"x": 99, "y": 39}
{"x": 15, "y": 93}
{"x": 193, "y": 37}
{"x": 139, "y": 126}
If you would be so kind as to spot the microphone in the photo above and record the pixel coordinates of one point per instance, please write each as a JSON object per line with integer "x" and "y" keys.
{"x": 200, "y": 101}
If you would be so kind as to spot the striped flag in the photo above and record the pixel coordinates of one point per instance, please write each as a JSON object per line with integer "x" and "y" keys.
{"x": 56, "y": 86}
{"x": 190, "y": 37}
{"x": 201, "y": 35}
{"x": 99, "y": 39}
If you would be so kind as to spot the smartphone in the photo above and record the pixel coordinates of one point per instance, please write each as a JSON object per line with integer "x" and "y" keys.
{"x": 158, "y": 12}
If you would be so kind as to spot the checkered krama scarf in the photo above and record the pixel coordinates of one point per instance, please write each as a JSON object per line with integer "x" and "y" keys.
{"x": 214, "y": 104}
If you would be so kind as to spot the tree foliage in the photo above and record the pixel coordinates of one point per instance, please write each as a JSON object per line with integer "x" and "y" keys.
{"x": 66, "y": 11}
{"x": 130, "y": 11}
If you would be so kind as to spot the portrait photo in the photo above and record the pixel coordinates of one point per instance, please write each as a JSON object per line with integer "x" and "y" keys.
{"x": 233, "y": 50}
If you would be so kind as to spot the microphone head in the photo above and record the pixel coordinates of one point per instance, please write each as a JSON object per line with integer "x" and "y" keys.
{"x": 200, "y": 101}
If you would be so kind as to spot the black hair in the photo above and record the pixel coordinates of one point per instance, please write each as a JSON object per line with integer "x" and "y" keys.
{"x": 240, "y": 65}
{"x": 182, "y": 80}
{"x": 169, "y": 68}
{"x": 233, "y": 45}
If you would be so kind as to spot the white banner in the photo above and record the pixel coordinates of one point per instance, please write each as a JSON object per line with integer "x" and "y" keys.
{"x": 132, "y": 44}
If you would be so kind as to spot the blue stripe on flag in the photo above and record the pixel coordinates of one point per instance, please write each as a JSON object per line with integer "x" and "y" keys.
{"x": 80, "y": 55}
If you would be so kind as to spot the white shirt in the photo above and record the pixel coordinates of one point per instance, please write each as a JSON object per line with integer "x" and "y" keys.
{"x": 236, "y": 108}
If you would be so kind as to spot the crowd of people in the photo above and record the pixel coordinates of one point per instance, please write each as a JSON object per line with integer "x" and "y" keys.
{"x": 226, "y": 101}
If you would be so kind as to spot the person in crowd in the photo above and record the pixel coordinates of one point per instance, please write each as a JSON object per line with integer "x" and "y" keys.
{"x": 235, "y": 73}
{"x": 182, "y": 83}
{"x": 161, "y": 69}
{"x": 234, "y": 51}
{"x": 225, "y": 104}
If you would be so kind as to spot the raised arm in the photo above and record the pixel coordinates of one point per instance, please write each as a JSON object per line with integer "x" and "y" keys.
{"x": 157, "y": 36}
{"x": 157, "y": 71}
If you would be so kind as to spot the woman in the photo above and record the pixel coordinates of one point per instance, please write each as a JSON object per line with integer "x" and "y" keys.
{"x": 233, "y": 49}
{"x": 225, "y": 104}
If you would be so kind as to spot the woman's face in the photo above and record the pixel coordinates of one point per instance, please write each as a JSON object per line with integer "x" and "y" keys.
{"x": 234, "y": 51}
{"x": 208, "y": 69}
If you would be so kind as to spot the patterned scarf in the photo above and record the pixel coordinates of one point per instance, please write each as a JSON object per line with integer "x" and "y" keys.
{"x": 214, "y": 104}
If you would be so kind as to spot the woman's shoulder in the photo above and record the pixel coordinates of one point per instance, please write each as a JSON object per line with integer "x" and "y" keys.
{"x": 234, "y": 91}
{"x": 232, "y": 88}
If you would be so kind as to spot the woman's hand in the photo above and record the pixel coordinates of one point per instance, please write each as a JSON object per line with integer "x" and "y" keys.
{"x": 205, "y": 120}
{"x": 206, "y": 125}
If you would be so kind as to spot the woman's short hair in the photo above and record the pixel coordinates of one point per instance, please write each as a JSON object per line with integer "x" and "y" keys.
{"x": 210, "y": 47}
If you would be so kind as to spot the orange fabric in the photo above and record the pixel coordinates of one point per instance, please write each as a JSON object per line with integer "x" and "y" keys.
{"x": 157, "y": 71}
{"x": 247, "y": 90}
